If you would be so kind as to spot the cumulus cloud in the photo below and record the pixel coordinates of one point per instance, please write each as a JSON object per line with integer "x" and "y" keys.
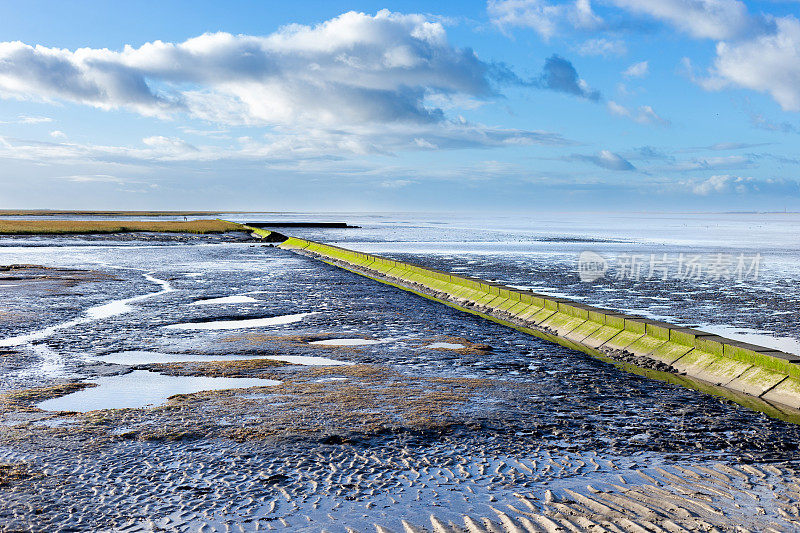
{"x": 354, "y": 68}
{"x": 637, "y": 70}
{"x": 712, "y": 19}
{"x": 91, "y": 178}
{"x": 314, "y": 145}
{"x": 559, "y": 75}
{"x": 541, "y": 16}
{"x": 355, "y": 80}
{"x": 760, "y": 53}
{"x": 644, "y": 114}
{"x": 713, "y": 163}
{"x": 603, "y": 47}
{"x": 721, "y": 146}
{"x": 768, "y": 63}
{"x": 726, "y": 184}
{"x": 27, "y": 119}
{"x": 605, "y": 159}
{"x": 759, "y": 121}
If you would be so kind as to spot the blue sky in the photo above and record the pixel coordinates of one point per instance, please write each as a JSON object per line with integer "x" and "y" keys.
{"x": 514, "y": 105}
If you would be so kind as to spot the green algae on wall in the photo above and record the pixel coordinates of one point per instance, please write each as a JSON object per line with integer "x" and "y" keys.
{"x": 692, "y": 358}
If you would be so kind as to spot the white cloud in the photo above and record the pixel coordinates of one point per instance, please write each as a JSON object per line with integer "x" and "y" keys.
{"x": 25, "y": 119}
{"x": 761, "y": 53}
{"x": 768, "y": 63}
{"x": 91, "y": 178}
{"x": 604, "y": 159}
{"x": 711, "y": 19}
{"x": 637, "y": 70}
{"x": 58, "y": 134}
{"x": 617, "y": 109}
{"x": 541, "y": 16}
{"x": 354, "y": 68}
{"x": 169, "y": 144}
{"x": 286, "y": 146}
{"x": 720, "y": 183}
{"x": 644, "y": 114}
{"x": 396, "y": 184}
{"x": 603, "y": 47}
{"x": 712, "y": 163}
{"x": 726, "y": 184}
{"x": 357, "y": 84}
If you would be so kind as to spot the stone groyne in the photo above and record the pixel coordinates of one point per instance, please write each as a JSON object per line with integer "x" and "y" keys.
{"x": 690, "y": 357}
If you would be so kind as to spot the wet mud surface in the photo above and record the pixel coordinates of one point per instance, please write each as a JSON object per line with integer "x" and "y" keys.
{"x": 506, "y": 427}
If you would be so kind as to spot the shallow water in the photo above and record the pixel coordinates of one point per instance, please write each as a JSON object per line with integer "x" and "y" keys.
{"x": 226, "y": 300}
{"x": 139, "y": 357}
{"x": 141, "y": 388}
{"x": 545, "y": 401}
{"x": 346, "y": 342}
{"x": 241, "y": 324}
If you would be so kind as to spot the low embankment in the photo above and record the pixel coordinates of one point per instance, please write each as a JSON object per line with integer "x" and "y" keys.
{"x": 686, "y": 356}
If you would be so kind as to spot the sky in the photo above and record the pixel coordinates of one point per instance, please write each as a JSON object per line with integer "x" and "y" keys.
{"x": 498, "y": 106}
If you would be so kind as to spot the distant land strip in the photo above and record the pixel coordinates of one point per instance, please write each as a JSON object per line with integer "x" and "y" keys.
{"x": 65, "y": 227}
{"x": 54, "y": 213}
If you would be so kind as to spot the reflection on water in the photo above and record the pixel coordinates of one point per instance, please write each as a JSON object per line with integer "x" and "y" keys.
{"x": 346, "y": 342}
{"x": 141, "y": 388}
{"x": 139, "y": 357}
{"x": 243, "y": 323}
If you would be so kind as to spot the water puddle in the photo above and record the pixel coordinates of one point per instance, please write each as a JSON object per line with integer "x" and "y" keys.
{"x": 226, "y": 300}
{"x": 345, "y": 342}
{"x": 141, "y": 388}
{"x": 755, "y": 336}
{"x": 308, "y": 360}
{"x": 97, "y": 312}
{"x": 241, "y": 324}
{"x": 145, "y": 358}
{"x": 56, "y": 422}
{"x": 137, "y": 357}
{"x": 445, "y": 346}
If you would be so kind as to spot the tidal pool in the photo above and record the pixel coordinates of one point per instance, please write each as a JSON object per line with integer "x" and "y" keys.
{"x": 226, "y": 300}
{"x": 142, "y": 388}
{"x": 345, "y": 342}
{"x": 241, "y": 324}
{"x": 445, "y": 346}
{"x": 145, "y": 358}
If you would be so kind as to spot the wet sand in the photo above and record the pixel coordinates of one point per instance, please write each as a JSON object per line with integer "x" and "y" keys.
{"x": 447, "y": 423}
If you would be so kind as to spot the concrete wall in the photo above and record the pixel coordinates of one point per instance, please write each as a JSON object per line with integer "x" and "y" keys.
{"x": 753, "y": 370}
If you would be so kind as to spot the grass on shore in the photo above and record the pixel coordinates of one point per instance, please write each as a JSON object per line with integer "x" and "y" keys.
{"x": 50, "y": 227}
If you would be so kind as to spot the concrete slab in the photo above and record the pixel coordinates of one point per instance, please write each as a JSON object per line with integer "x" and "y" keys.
{"x": 603, "y": 334}
{"x": 756, "y": 381}
{"x": 669, "y": 352}
{"x": 530, "y": 311}
{"x": 710, "y": 367}
{"x": 645, "y": 345}
{"x": 540, "y": 316}
{"x": 787, "y": 392}
{"x": 562, "y": 323}
{"x": 622, "y": 340}
{"x": 584, "y": 330}
{"x": 519, "y": 306}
